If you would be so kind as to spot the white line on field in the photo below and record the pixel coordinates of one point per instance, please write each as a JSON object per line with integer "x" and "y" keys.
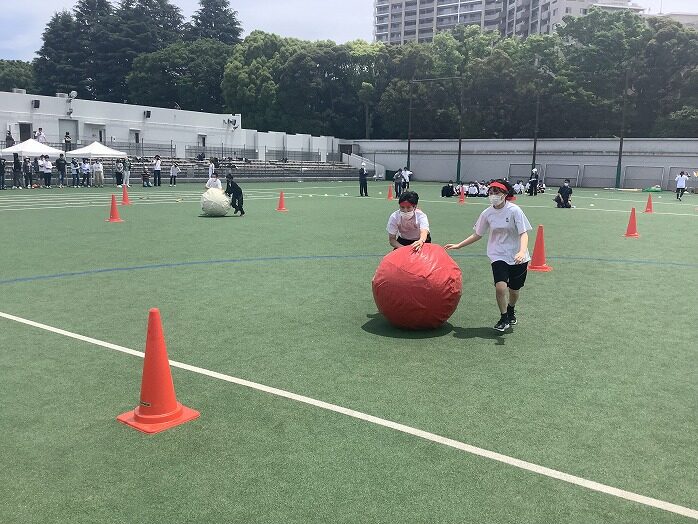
{"x": 492, "y": 455}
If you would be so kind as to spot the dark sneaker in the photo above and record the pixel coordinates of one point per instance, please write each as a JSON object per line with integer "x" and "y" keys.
{"x": 512, "y": 318}
{"x": 502, "y": 325}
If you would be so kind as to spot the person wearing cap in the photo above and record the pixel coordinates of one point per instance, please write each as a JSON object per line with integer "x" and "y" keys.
{"x": 533, "y": 183}
{"x": 409, "y": 225}
{"x": 507, "y": 248}
{"x": 363, "y": 185}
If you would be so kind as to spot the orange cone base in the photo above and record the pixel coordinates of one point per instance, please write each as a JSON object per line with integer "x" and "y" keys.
{"x": 157, "y": 423}
{"x": 284, "y": 210}
{"x": 632, "y": 235}
{"x": 543, "y": 269}
{"x": 113, "y": 220}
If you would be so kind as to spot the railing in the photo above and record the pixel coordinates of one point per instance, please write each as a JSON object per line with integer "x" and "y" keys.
{"x": 220, "y": 152}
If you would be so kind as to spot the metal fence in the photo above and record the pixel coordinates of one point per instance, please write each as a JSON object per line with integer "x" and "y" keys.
{"x": 295, "y": 155}
{"x": 193, "y": 151}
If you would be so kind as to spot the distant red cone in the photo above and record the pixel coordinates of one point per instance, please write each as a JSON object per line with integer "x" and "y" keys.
{"x": 538, "y": 259}
{"x": 631, "y": 232}
{"x": 158, "y": 408}
{"x": 282, "y": 206}
{"x": 114, "y": 213}
{"x": 390, "y": 192}
{"x": 124, "y": 197}
{"x": 649, "y": 208}
{"x": 461, "y": 198}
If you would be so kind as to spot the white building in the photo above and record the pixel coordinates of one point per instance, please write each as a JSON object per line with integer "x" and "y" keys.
{"x": 402, "y": 21}
{"x": 150, "y": 130}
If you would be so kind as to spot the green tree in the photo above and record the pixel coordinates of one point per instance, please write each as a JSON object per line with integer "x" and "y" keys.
{"x": 186, "y": 73}
{"x": 16, "y": 74}
{"x": 93, "y": 36}
{"x": 57, "y": 67}
{"x": 216, "y": 20}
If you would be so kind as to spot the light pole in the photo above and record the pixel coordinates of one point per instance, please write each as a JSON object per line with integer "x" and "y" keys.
{"x": 535, "y": 131}
{"x": 622, "y": 128}
{"x": 460, "y": 119}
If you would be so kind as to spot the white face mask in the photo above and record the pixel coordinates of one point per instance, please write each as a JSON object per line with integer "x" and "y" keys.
{"x": 406, "y": 214}
{"x": 496, "y": 200}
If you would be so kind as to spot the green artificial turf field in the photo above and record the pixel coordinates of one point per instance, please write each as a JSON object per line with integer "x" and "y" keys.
{"x": 598, "y": 379}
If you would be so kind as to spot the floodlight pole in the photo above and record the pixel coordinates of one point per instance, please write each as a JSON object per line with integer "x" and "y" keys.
{"x": 460, "y": 132}
{"x": 622, "y": 128}
{"x": 409, "y": 128}
{"x": 535, "y": 130}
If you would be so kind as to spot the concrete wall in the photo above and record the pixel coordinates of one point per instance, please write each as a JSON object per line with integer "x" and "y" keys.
{"x": 119, "y": 124}
{"x": 587, "y": 162}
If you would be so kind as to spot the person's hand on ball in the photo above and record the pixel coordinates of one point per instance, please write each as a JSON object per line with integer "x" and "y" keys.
{"x": 417, "y": 246}
{"x": 520, "y": 257}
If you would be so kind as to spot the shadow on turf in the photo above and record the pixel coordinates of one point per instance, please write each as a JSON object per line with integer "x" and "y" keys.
{"x": 378, "y": 325}
{"x": 225, "y": 216}
{"x": 479, "y": 332}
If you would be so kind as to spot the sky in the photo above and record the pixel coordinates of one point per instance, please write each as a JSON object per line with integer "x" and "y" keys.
{"x": 338, "y": 20}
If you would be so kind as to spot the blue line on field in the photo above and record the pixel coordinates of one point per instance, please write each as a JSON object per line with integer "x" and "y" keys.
{"x": 309, "y": 257}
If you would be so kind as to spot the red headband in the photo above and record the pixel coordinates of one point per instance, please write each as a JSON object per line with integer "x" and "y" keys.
{"x": 499, "y": 185}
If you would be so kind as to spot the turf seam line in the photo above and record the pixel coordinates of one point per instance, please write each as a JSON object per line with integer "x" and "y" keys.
{"x": 170, "y": 265}
{"x": 432, "y": 437}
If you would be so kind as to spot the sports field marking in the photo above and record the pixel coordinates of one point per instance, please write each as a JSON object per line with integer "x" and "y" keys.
{"x": 170, "y": 265}
{"x": 491, "y": 455}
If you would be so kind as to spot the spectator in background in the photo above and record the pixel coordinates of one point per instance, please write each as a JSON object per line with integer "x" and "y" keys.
{"x": 119, "y": 172}
{"x": 406, "y": 174}
{"x": 86, "y": 170}
{"x": 26, "y": 168}
{"x": 75, "y": 172}
{"x": 9, "y": 140}
{"x": 2, "y": 173}
{"x": 61, "y": 164}
{"x": 174, "y": 171}
{"x": 67, "y": 142}
{"x": 681, "y": 180}
{"x": 214, "y": 182}
{"x": 127, "y": 172}
{"x": 145, "y": 177}
{"x": 98, "y": 173}
{"x": 397, "y": 180}
{"x": 157, "y": 170}
{"x": 47, "y": 166}
{"x": 519, "y": 188}
{"x": 448, "y": 190}
{"x": 363, "y": 184}
{"x": 211, "y": 168}
{"x": 39, "y": 136}
{"x": 562, "y": 199}
{"x": 533, "y": 183}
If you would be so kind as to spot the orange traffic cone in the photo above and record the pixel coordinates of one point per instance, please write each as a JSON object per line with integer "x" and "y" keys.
{"x": 649, "y": 208}
{"x": 114, "y": 213}
{"x": 390, "y": 192}
{"x": 282, "y": 205}
{"x": 124, "y": 197}
{"x": 158, "y": 408}
{"x": 631, "y": 232}
{"x": 461, "y": 198}
{"x": 538, "y": 259}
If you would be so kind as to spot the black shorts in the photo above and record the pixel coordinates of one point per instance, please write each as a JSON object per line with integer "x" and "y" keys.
{"x": 408, "y": 242}
{"x": 514, "y": 275}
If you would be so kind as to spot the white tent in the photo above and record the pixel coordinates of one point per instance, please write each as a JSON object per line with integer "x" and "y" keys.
{"x": 96, "y": 150}
{"x": 31, "y": 148}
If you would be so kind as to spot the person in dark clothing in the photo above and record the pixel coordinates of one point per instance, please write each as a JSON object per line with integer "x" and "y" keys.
{"x": 17, "y": 172}
{"x": 533, "y": 183}
{"x": 60, "y": 166}
{"x": 447, "y": 190}
{"x": 363, "y": 185}
{"x": 2, "y": 174}
{"x": 25, "y": 168}
{"x": 67, "y": 142}
{"x": 234, "y": 191}
{"x": 9, "y": 140}
{"x": 562, "y": 199}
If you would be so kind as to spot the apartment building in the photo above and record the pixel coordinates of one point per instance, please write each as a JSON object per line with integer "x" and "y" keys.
{"x": 402, "y": 21}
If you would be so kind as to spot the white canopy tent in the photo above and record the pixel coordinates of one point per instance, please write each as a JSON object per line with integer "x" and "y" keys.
{"x": 96, "y": 150}
{"x": 31, "y": 148}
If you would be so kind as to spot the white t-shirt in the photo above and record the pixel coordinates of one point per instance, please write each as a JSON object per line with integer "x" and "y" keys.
{"x": 472, "y": 190}
{"x": 505, "y": 226}
{"x": 681, "y": 181}
{"x": 407, "y": 228}
{"x": 406, "y": 173}
{"x": 483, "y": 190}
{"x": 214, "y": 182}
{"x": 174, "y": 170}
{"x": 211, "y": 169}
{"x": 156, "y": 165}
{"x": 47, "y": 166}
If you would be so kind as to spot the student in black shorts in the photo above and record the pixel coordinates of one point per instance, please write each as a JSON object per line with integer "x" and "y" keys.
{"x": 562, "y": 199}
{"x": 507, "y": 248}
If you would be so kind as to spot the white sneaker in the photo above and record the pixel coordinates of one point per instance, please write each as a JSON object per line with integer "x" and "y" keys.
{"x": 118, "y": 186}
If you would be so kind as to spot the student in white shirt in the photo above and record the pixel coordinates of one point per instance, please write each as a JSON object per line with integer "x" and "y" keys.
{"x": 47, "y": 168}
{"x": 472, "y": 190}
{"x": 98, "y": 173}
{"x": 211, "y": 168}
{"x": 482, "y": 189}
{"x": 214, "y": 182}
{"x": 174, "y": 171}
{"x": 86, "y": 170}
{"x": 507, "y": 248}
{"x": 406, "y": 174}
{"x": 409, "y": 225}
{"x": 157, "y": 169}
{"x": 681, "y": 180}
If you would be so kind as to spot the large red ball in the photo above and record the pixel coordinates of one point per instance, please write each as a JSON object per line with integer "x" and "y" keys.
{"x": 417, "y": 290}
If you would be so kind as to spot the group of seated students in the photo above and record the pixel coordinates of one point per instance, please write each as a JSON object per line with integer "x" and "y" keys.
{"x": 470, "y": 189}
{"x": 479, "y": 189}
{"x": 520, "y": 188}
